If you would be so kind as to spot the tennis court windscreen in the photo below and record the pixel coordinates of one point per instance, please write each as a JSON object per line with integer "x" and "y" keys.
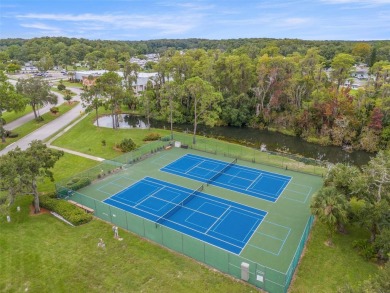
{"x": 222, "y": 171}
{"x": 179, "y": 205}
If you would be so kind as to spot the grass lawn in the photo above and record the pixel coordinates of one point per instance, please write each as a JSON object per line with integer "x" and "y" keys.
{"x": 11, "y": 116}
{"x": 325, "y": 269}
{"x": 39, "y": 253}
{"x": 34, "y": 125}
{"x": 93, "y": 137}
{"x": 67, "y": 166}
{"x": 71, "y": 84}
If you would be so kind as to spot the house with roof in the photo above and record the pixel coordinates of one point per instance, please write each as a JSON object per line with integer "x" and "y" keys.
{"x": 89, "y": 77}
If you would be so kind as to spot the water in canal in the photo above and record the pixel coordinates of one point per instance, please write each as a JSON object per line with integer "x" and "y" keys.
{"x": 274, "y": 141}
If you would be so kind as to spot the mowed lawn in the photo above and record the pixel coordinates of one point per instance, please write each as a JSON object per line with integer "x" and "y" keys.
{"x": 40, "y": 253}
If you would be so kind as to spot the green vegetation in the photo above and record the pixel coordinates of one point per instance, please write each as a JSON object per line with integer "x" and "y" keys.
{"x": 285, "y": 85}
{"x": 72, "y": 84}
{"x": 66, "y": 167}
{"x": 40, "y": 251}
{"x": 325, "y": 269}
{"x": 11, "y": 116}
{"x": 93, "y": 137}
{"x": 34, "y": 124}
{"x": 68, "y": 211}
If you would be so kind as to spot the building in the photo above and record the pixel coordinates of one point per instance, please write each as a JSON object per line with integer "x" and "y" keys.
{"x": 89, "y": 77}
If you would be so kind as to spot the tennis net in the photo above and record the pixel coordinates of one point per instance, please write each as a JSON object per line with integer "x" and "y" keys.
{"x": 179, "y": 205}
{"x": 220, "y": 172}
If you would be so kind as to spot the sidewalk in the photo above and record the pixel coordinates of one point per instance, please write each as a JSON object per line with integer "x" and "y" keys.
{"x": 76, "y": 153}
{"x": 67, "y": 150}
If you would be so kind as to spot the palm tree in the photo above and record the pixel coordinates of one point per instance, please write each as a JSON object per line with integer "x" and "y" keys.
{"x": 330, "y": 207}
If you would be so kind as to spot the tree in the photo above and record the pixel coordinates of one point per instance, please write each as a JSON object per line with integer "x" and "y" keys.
{"x": 343, "y": 178}
{"x": 377, "y": 172}
{"x": 10, "y": 100}
{"x": 46, "y": 62}
{"x": 91, "y": 100}
{"x": 27, "y": 168}
{"x": 341, "y": 67}
{"x": 10, "y": 175}
{"x": 110, "y": 88}
{"x": 111, "y": 65}
{"x": 204, "y": 101}
{"x": 37, "y": 91}
{"x": 362, "y": 51}
{"x": 12, "y": 67}
{"x": 330, "y": 207}
{"x": 130, "y": 76}
{"x": 170, "y": 104}
{"x": 67, "y": 95}
{"x": 148, "y": 101}
{"x": 376, "y": 194}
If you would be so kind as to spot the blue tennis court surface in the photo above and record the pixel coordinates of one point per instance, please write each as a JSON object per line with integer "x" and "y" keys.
{"x": 254, "y": 182}
{"x": 217, "y": 221}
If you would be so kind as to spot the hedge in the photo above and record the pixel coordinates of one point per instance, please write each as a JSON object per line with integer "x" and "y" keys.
{"x": 77, "y": 183}
{"x": 68, "y": 211}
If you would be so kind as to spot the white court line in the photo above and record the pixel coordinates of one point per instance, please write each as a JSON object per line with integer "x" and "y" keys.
{"x": 218, "y": 219}
{"x": 255, "y": 181}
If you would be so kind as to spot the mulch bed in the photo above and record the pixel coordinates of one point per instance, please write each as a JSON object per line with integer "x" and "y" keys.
{"x": 43, "y": 211}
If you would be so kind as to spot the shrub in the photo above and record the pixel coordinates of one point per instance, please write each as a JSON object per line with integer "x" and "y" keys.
{"x": 364, "y": 248}
{"x": 126, "y": 145}
{"x": 11, "y": 134}
{"x": 77, "y": 183}
{"x": 54, "y": 110}
{"x": 61, "y": 87}
{"x": 152, "y": 136}
{"x": 68, "y": 211}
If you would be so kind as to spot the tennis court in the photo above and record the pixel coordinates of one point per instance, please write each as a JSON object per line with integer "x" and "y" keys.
{"x": 254, "y": 182}
{"x": 225, "y": 224}
{"x": 246, "y": 212}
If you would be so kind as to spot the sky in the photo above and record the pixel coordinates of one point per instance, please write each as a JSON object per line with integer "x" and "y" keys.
{"x": 166, "y": 19}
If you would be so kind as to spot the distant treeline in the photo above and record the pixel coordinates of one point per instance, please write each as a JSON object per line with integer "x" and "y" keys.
{"x": 70, "y": 50}
{"x": 302, "y": 88}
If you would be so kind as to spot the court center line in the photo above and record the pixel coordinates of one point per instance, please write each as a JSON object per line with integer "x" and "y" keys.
{"x": 253, "y": 182}
{"x": 218, "y": 219}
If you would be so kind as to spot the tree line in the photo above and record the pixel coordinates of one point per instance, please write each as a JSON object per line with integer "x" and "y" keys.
{"x": 361, "y": 197}
{"x": 294, "y": 94}
{"x": 293, "y": 86}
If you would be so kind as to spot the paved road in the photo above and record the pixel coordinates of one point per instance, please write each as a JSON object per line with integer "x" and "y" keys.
{"x": 50, "y": 128}
{"x": 47, "y": 130}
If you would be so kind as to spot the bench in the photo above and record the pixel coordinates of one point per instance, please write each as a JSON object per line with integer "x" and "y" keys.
{"x": 184, "y": 146}
{"x": 85, "y": 208}
{"x": 168, "y": 147}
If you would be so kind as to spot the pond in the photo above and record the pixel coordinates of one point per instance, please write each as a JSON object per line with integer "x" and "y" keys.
{"x": 274, "y": 141}
{"x": 125, "y": 121}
